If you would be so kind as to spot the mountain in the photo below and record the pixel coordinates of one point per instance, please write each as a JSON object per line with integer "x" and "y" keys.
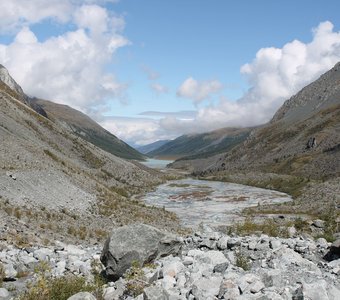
{"x": 84, "y": 127}
{"x": 201, "y": 145}
{"x": 52, "y": 181}
{"x": 151, "y": 147}
{"x": 301, "y": 139}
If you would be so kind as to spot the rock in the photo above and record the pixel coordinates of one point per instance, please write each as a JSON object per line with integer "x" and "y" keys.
{"x": 222, "y": 243}
{"x": 272, "y": 278}
{"x": 82, "y": 296}
{"x": 173, "y": 267}
{"x": 318, "y": 223}
{"x": 256, "y": 286}
{"x": 109, "y": 293}
{"x": 4, "y": 294}
{"x": 206, "y": 288}
{"x": 10, "y": 272}
{"x": 220, "y": 268}
{"x": 228, "y": 290}
{"x": 316, "y": 290}
{"x": 139, "y": 242}
{"x": 188, "y": 260}
{"x": 275, "y": 244}
{"x": 154, "y": 293}
{"x": 298, "y": 294}
{"x": 233, "y": 242}
{"x": 291, "y": 231}
{"x": 322, "y": 243}
{"x": 335, "y": 247}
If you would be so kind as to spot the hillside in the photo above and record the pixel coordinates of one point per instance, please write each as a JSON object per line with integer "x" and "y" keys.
{"x": 52, "y": 182}
{"x": 151, "y": 147}
{"x": 84, "y": 127}
{"x": 297, "y": 152}
{"x": 201, "y": 145}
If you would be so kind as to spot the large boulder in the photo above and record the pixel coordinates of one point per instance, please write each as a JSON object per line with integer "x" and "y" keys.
{"x": 136, "y": 243}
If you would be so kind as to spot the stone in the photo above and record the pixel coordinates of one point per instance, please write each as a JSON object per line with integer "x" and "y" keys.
{"x": 316, "y": 290}
{"x": 172, "y": 268}
{"x": 10, "y": 272}
{"x": 138, "y": 242}
{"x": 109, "y": 293}
{"x": 322, "y": 243}
{"x": 228, "y": 290}
{"x": 318, "y": 223}
{"x": 233, "y": 242}
{"x": 206, "y": 288}
{"x": 82, "y": 296}
{"x": 4, "y": 294}
{"x": 220, "y": 268}
{"x": 43, "y": 254}
{"x": 222, "y": 243}
{"x": 256, "y": 286}
{"x": 291, "y": 231}
{"x": 272, "y": 278}
{"x": 275, "y": 244}
{"x": 188, "y": 260}
{"x": 154, "y": 292}
{"x": 335, "y": 247}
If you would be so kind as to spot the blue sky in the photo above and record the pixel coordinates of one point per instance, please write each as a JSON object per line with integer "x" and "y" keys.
{"x": 205, "y": 64}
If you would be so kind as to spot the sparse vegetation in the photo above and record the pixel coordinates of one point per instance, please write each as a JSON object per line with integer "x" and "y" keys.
{"x": 2, "y": 274}
{"x": 242, "y": 261}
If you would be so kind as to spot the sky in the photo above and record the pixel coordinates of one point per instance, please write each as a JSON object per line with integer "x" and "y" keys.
{"x": 156, "y": 69}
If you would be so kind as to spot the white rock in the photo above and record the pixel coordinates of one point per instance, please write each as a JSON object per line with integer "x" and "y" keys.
{"x": 316, "y": 290}
{"x": 43, "y": 254}
{"x": 82, "y": 296}
{"x": 256, "y": 286}
{"x": 222, "y": 243}
{"x": 206, "y": 288}
{"x": 109, "y": 293}
{"x": 172, "y": 268}
{"x": 4, "y": 294}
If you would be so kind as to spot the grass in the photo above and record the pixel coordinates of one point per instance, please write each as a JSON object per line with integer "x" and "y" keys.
{"x": 2, "y": 274}
{"x": 47, "y": 287}
{"x": 242, "y": 261}
{"x": 269, "y": 227}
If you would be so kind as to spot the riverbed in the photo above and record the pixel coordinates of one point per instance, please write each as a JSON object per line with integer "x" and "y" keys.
{"x": 210, "y": 202}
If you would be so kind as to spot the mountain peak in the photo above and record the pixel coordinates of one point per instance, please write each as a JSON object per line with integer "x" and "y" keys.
{"x": 6, "y": 78}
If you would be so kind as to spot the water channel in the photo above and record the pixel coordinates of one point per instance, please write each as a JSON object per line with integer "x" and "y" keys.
{"x": 210, "y": 202}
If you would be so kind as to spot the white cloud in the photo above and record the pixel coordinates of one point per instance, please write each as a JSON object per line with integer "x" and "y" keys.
{"x": 274, "y": 75}
{"x": 158, "y": 88}
{"x": 69, "y": 68}
{"x": 140, "y": 131}
{"x": 198, "y": 90}
{"x": 151, "y": 74}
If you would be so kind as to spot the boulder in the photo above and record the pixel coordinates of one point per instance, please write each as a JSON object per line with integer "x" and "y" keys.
{"x": 4, "y": 294}
{"x": 82, "y": 296}
{"x": 136, "y": 243}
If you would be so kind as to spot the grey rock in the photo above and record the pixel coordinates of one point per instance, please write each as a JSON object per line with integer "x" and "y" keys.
{"x": 275, "y": 244}
{"x": 139, "y": 242}
{"x": 82, "y": 296}
{"x": 228, "y": 290}
{"x": 222, "y": 243}
{"x": 319, "y": 223}
{"x": 154, "y": 293}
{"x": 220, "y": 268}
{"x": 233, "y": 242}
{"x": 206, "y": 288}
{"x": 256, "y": 286}
{"x": 335, "y": 247}
{"x": 4, "y": 294}
{"x": 316, "y": 290}
{"x": 291, "y": 231}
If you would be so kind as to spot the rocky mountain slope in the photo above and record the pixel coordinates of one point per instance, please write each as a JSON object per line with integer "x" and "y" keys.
{"x": 84, "y": 127}
{"x": 302, "y": 138}
{"x": 201, "y": 145}
{"x": 52, "y": 182}
{"x": 153, "y": 146}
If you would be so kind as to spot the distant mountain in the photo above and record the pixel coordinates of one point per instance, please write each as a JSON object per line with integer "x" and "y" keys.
{"x": 302, "y": 138}
{"x": 201, "y": 145}
{"x": 151, "y": 147}
{"x": 83, "y": 126}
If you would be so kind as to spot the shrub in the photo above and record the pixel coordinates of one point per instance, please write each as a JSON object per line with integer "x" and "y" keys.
{"x": 242, "y": 261}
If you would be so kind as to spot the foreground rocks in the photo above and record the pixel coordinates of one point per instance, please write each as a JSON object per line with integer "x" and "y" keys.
{"x": 210, "y": 265}
{"x": 136, "y": 243}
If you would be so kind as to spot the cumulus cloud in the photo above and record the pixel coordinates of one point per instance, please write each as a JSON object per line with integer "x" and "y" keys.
{"x": 274, "y": 75}
{"x": 198, "y": 90}
{"x": 159, "y": 88}
{"x": 151, "y": 74}
{"x": 69, "y": 68}
{"x": 140, "y": 131}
